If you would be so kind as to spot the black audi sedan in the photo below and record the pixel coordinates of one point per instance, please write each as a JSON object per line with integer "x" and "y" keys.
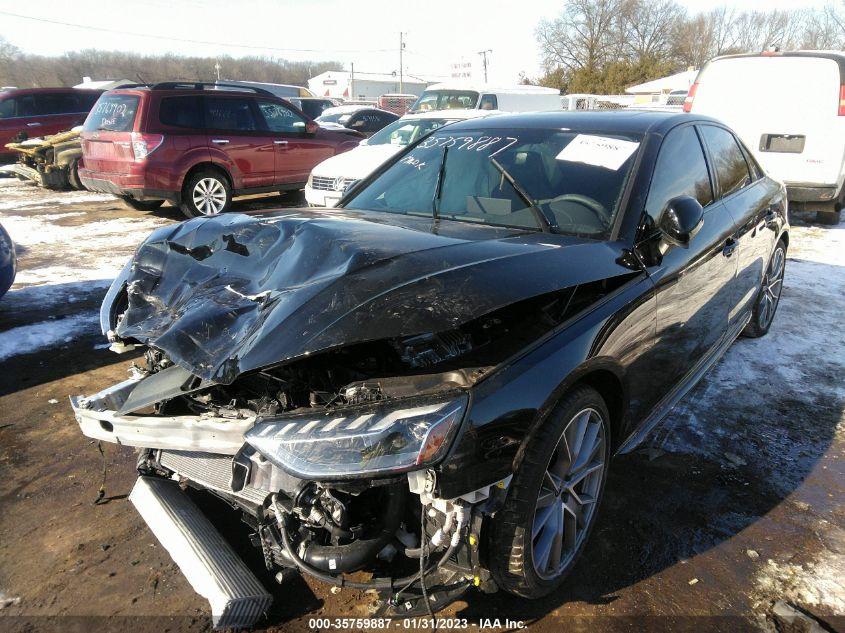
{"x": 428, "y": 383}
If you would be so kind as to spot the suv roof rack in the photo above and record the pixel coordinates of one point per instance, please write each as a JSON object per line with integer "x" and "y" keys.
{"x": 202, "y": 85}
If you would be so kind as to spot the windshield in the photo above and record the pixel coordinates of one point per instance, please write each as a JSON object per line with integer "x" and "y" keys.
{"x": 574, "y": 179}
{"x": 112, "y": 112}
{"x": 405, "y": 131}
{"x": 445, "y": 100}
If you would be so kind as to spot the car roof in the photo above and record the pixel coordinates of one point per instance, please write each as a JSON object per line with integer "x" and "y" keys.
{"x": 29, "y": 91}
{"x": 611, "y": 121}
{"x": 455, "y": 115}
{"x": 519, "y": 89}
{"x": 349, "y": 109}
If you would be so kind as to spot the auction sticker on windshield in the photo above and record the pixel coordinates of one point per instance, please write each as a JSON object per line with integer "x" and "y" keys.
{"x": 601, "y": 151}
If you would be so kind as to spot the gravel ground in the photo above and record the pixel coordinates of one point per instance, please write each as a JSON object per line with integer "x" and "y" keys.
{"x": 731, "y": 518}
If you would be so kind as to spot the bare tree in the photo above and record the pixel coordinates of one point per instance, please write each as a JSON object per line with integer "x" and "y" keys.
{"x": 648, "y": 26}
{"x": 583, "y": 36}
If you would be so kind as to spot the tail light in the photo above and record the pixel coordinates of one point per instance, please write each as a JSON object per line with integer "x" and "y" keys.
{"x": 690, "y": 97}
{"x": 145, "y": 144}
{"x": 842, "y": 100}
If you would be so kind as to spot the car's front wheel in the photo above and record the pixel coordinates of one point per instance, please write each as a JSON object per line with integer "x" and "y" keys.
{"x": 206, "y": 193}
{"x": 553, "y": 498}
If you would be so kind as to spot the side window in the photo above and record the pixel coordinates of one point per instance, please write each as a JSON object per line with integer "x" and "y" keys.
{"x": 7, "y": 108}
{"x": 279, "y": 118}
{"x": 488, "y": 102}
{"x": 728, "y": 161}
{"x": 26, "y": 106}
{"x": 680, "y": 171}
{"x": 230, "y": 113}
{"x": 185, "y": 112}
{"x": 56, "y": 104}
{"x": 87, "y": 99}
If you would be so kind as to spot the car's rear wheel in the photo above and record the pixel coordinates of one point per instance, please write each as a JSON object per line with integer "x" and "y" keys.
{"x": 73, "y": 175}
{"x": 206, "y": 193}
{"x": 553, "y": 499}
{"x": 141, "y": 205}
{"x": 768, "y": 296}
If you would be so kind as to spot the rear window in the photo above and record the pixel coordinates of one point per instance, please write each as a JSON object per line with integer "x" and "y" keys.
{"x": 57, "y": 104}
{"x": 112, "y": 113}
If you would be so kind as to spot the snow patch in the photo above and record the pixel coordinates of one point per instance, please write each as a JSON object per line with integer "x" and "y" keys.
{"x": 26, "y": 339}
{"x": 819, "y": 583}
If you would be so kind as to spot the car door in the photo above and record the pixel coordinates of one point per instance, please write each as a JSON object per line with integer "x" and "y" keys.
{"x": 297, "y": 151}
{"x": 236, "y": 137}
{"x": 19, "y": 115}
{"x": 692, "y": 285}
{"x": 748, "y": 200}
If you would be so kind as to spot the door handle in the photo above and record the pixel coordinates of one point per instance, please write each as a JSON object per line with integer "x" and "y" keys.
{"x": 220, "y": 141}
{"x": 34, "y": 124}
{"x": 730, "y": 247}
{"x": 280, "y": 142}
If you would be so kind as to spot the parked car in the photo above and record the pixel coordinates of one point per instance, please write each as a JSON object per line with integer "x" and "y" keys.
{"x": 312, "y": 107}
{"x": 361, "y": 118}
{"x": 331, "y": 178}
{"x": 460, "y": 96}
{"x": 284, "y": 91}
{"x": 31, "y": 112}
{"x": 799, "y": 135}
{"x": 51, "y": 161}
{"x": 8, "y": 261}
{"x": 198, "y": 146}
{"x": 434, "y": 377}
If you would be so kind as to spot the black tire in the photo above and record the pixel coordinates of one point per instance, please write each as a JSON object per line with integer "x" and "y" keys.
{"x": 141, "y": 205}
{"x": 761, "y": 320}
{"x": 511, "y": 542}
{"x": 830, "y": 218}
{"x": 73, "y": 175}
{"x": 213, "y": 180}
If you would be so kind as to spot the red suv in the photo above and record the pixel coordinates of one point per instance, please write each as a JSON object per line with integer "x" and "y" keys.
{"x": 198, "y": 145}
{"x": 33, "y": 112}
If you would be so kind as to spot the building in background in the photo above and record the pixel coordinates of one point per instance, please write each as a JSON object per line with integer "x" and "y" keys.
{"x": 341, "y": 84}
{"x": 658, "y": 90}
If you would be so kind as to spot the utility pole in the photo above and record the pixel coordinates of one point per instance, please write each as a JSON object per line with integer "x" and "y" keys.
{"x": 217, "y": 67}
{"x": 352, "y": 81}
{"x": 401, "y": 70}
{"x": 484, "y": 61}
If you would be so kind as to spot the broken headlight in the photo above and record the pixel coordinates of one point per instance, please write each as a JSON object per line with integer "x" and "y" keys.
{"x": 336, "y": 443}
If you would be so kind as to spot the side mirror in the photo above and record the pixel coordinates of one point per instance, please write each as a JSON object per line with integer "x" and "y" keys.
{"x": 311, "y": 127}
{"x": 682, "y": 218}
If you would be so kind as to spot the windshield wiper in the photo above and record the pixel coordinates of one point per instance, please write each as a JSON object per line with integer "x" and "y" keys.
{"x": 441, "y": 173}
{"x": 545, "y": 225}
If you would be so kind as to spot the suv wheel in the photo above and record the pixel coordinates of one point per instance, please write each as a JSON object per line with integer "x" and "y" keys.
{"x": 141, "y": 205}
{"x": 553, "y": 499}
{"x": 207, "y": 192}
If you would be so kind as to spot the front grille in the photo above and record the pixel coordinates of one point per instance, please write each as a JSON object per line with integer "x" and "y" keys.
{"x": 324, "y": 183}
{"x": 211, "y": 470}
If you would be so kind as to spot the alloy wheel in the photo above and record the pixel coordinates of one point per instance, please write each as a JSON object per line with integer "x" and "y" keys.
{"x": 209, "y": 196}
{"x": 771, "y": 289}
{"x": 568, "y": 495}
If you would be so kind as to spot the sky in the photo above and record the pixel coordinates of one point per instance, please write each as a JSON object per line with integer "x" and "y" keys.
{"x": 437, "y": 33}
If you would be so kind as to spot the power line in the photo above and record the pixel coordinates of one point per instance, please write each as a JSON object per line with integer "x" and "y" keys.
{"x": 191, "y": 41}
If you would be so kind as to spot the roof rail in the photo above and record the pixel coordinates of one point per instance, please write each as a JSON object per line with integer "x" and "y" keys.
{"x": 202, "y": 85}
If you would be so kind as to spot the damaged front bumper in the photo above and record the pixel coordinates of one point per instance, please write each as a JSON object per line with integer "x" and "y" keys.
{"x": 98, "y": 419}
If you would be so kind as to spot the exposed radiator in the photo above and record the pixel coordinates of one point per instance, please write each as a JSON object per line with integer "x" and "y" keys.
{"x": 211, "y": 470}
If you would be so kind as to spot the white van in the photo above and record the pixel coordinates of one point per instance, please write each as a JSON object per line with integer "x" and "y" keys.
{"x": 463, "y": 96}
{"x": 789, "y": 108}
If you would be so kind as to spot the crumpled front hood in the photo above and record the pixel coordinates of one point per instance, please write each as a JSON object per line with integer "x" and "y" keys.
{"x": 225, "y": 295}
